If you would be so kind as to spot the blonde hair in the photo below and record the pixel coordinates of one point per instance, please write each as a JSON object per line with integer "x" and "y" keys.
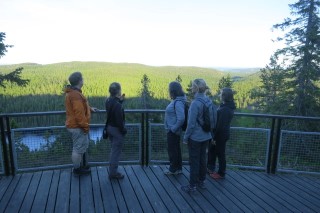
{"x": 200, "y": 85}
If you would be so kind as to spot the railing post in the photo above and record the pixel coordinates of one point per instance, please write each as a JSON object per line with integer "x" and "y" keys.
{"x": 13, "y": 169}
{"x": 276, "y": 147}
{"x": 4, "y": 147}
{"x": 147, "y": 139}
{"x": 269, "y": 154}
{"x": 142, "y": 145}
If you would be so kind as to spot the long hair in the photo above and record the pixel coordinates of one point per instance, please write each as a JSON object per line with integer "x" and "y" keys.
{"x": 175, "y": 90}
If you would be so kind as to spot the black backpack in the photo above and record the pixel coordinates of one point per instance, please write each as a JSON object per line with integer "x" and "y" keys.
{"x": 207, "y": 126}
{"x": 186, "y": 110}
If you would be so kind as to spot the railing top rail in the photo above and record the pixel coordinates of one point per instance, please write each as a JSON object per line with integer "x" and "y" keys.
{"x": 24, "y": 114}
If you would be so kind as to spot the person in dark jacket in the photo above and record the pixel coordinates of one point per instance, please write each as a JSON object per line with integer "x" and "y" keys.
{"x": 115, "y": 128}
{"x": 221, "y": 134}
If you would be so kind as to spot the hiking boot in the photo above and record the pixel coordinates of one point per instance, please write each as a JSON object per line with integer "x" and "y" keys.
{"x": 81, "y": 171}
{"x": 217, "y": 176}
{"x": 201, "y": 185}
{"x": 189, "y": 188}
{"x": 117, "y": 176}
{"x": 168, "y": 172}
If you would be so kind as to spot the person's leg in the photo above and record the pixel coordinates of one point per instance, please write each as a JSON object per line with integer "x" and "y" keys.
{"x": 116, "y": 149}
{"x": 173, "y": 152}
{"x": 212, "y": 156}
{"x": 194, "y": 155}
{"x": 84, "y": 163}
{"x": 222, "y": 158}
{"x": 80, "y": 145}
{"x": 203, "y": 161}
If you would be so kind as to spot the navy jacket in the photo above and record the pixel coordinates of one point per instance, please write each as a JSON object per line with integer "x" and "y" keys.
{"x": 116, "y": 114}
{"x": 225, "y": 114}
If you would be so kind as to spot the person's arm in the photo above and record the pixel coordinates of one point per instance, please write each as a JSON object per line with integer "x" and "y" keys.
{"x": 179, "y": 109}
{"x": 192, "y": 120}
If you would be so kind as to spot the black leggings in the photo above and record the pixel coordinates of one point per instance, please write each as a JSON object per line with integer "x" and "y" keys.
{"x": 214, "y": 151}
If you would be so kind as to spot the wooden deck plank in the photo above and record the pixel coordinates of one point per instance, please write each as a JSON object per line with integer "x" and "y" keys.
{"x": 31, "y": 194}
{"x": 280, "y": 196}
{"x": 108, "y": 199}
{"x": 172, "y": 191}
{"x": 129, "y": 195}
{"x": 141, "y": 196}
{"x": 170, "y": 204}
{"x": 147, "y": 189}
{"x": 5, "y": 183}
{"x": 301, "y": 184}
{"x": 249, "y": 193}
{"x": 96, "y": 189}
{"x": 203, "y": 203}
{"x": 75, "y": 202}
{"x": 86, "y": 195}
{"x": 215, "y": 201}
{"x": 299, "y": 196}
{"x": 194, "y": 205}
{"x": 122, "y": 206}
{"x": 273, "y": 204}
{"x": 53, "y": 191}
{"x": 63, "y": 194}
{"x": 227, "y": 186}
{"x": 9, "y": 192}
{"x": 224, "y": 196}
{"x": 154, "y": 198}
{"x": 41, "y": 197}
{"x": 19, "y": 193}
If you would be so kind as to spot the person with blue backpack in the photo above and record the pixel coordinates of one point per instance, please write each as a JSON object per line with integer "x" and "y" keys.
{"x": 201, "y": 121}
{"x": 174, "y": 122}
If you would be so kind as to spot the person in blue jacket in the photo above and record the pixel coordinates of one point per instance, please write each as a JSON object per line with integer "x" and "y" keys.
{"x": 174, "y": 119}
{"x": 221, "y": 134}
{"x": 196, "y": 137}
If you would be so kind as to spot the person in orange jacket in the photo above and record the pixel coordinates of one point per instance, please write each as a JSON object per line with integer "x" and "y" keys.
{"x": 78, "y": 113}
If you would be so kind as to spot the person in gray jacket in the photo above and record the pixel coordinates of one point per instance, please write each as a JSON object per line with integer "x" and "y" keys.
{"x": 196, "y": 137}
{"x": 174, "y": 119}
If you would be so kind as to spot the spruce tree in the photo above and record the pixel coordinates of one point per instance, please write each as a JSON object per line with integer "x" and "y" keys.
{"x": 14, "y": 76}
{"x": 145, "y": 94}
{"x": 298, "y": 63}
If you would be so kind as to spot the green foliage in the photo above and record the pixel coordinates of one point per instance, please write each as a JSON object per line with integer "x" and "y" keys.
{"x": 179, "y": 79}
{"x": 225, "y": 82}
{"x": 297, "y": 64}
{"x": 145, "y": 94}
{"x": 14, "y": 76}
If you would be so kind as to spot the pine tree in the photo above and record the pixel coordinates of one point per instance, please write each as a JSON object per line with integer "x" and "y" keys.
{"x": 225, "y": 82}
{"x": 189, "y": 92}
{"x": 299, "y": 60}
{"x": 179, "y": 79}
{"x": 14, "y": 76}
{"x": 145, "y": 94}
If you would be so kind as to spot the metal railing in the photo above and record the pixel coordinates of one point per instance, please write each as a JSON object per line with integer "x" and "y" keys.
{"x": 38, "y": 141}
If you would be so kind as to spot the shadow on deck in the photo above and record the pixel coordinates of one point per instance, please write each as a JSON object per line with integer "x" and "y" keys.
{"x": 147, "y": 189}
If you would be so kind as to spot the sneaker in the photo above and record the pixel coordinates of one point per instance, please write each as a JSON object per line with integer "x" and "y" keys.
{"x": 189, "y": 188}
{"x": 216, "y": 176}
{"x": 117, "y": 176}
{"x": 86, "y": 167}
{"x": 81, "y": 171}
{"x": 209, "y": 171}
{"x": 201, "y": 185}
{"x": 168, "y": 172}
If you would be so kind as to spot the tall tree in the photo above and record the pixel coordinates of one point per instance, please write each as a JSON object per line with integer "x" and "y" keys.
{"x": 145, "y": 94}
{"x": 14, "y": 76}
{"x": 299, "y": 60}
{"x": 225, "y": 82}
{"x": 179, "y": 79}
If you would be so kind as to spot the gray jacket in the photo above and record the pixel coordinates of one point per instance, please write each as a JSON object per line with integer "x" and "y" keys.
{"x": 174, "y": 116}
{"x": 194, "y": 130}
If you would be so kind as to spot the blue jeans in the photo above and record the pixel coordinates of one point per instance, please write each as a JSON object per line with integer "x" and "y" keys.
{"x": 198, "y": 161}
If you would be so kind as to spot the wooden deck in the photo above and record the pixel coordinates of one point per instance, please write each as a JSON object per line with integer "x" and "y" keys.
{"x": 147, "y": 189}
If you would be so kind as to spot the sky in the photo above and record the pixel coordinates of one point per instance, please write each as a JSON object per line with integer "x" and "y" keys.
{"x": 205, "y": 33}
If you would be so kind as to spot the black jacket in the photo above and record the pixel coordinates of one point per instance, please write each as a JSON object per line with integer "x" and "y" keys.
{"x": 115, "y": 114}
{"x": 225, "y": 114}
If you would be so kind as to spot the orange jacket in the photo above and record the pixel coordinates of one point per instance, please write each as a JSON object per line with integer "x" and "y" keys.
{"x": 77, "y": 110}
